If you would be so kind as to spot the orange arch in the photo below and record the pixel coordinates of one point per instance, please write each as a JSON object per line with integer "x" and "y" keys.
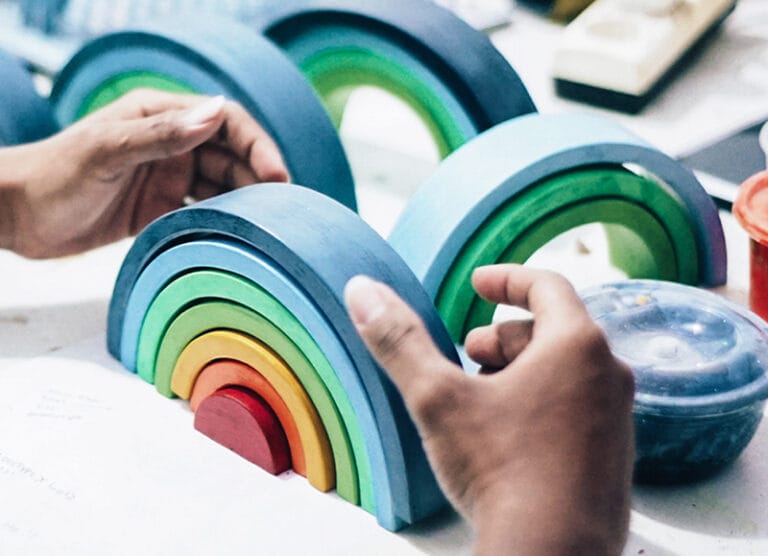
{"x": 225, "y": 344}
{"x": 228, "y": 372}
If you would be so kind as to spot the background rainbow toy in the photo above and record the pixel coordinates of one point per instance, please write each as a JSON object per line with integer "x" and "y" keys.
{"x": 24, "y": 115}
{"x": 537, "y": 176}
{"x": 447, "y": 72}
{"x": 213, "y": 56}
{"x": 233, "y": 279}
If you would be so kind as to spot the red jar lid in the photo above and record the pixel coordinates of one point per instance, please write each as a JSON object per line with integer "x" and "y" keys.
{"x": 751, "y": 207}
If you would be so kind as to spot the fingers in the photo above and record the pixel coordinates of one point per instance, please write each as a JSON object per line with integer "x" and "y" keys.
{"x": 135, "y": 141}
{"x": 231, "y": 127}
{"x": 496, "y": 345}
{"x": 142, "y": 103}
{"x": 398, "y": 340}
{"x": 252, "y": 144}
{"x": 203, "y": 189}
{"x": 218, "y": 166}
{"x": 548, "y": 295}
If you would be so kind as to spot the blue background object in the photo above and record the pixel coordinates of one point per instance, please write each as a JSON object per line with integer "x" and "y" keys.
{"x": 25, "y": 116}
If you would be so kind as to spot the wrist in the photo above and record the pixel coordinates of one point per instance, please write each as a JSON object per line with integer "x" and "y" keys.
{"x": 22, "y": 170}
{"x": 510, "y": 525}
{"x": 14, "y": 168}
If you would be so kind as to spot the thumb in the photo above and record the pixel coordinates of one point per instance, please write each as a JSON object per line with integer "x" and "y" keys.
{"x": 398, "y": 340}
{"x": 170, "y": 133}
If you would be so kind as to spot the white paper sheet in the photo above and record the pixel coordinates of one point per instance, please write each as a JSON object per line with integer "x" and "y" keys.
{"x": 94, "y": 461}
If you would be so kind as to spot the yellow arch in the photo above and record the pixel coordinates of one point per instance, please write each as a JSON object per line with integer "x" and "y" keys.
{"x": 224, "y": 344}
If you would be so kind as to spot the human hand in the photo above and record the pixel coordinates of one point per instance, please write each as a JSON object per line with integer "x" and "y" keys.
{"x": 111, "y": 173}
{"x": 536, "y": 451}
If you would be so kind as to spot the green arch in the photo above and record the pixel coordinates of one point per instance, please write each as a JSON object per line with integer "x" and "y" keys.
{"x": 336, "y": 73}
{"x": 120, "y": 84}
{"x": 649, "y": 235}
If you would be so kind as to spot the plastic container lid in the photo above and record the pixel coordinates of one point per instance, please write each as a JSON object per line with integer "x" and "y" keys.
{"x": 751, "y": 207}
{"x": 692, "y": 352}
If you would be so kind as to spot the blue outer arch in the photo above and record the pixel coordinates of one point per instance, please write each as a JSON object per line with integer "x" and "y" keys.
{"x": 503, "y": 161}
{"x": 321, "y": 245}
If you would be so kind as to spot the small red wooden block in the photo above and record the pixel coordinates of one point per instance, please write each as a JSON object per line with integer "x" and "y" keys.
{"x": 223, "y": 373}
{"x": 240, "y": 420}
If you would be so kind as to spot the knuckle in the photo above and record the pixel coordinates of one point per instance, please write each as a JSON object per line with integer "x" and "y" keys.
{"x": 594, "y": 342}
{"x": 169, "y": 135}
{"x": 552, "y": 279}
{"x": 235, "y": 112}
{"x": 555, "y": 282}
{"x": 612, "y": 371}
{"x": 594, "y": 346}
{"x": 390, "y": 339}
{"x": 583, "y": 340}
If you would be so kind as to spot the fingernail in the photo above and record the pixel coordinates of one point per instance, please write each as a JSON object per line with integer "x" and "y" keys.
{"x": 204, "y": 112}
{"x": 364, "y": 300}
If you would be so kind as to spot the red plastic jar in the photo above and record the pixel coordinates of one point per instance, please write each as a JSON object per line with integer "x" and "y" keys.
{"x": 751, "y": 210}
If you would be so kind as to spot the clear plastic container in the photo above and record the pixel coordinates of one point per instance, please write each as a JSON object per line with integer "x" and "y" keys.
{"x": 700, "y": 370}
